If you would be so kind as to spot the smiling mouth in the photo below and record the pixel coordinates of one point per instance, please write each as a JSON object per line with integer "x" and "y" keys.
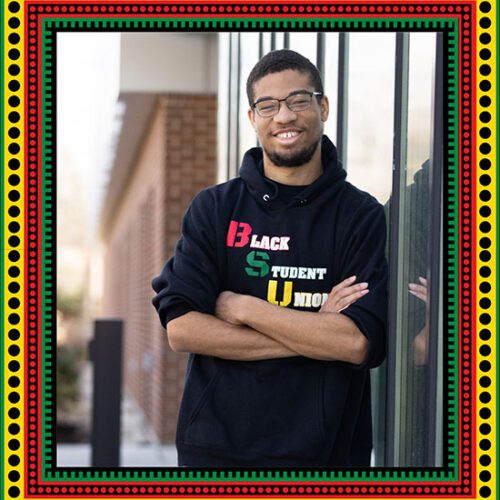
{"x": 287, "y": 135}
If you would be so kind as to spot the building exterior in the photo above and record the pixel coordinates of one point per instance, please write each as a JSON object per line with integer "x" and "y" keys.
{"x": 166, "y": 153}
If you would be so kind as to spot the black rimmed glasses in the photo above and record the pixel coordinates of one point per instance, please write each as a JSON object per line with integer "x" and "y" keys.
{"x": 296, "y": 101}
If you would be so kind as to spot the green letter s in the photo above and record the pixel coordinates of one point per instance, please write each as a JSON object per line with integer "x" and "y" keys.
{"x": 259, "y": 267}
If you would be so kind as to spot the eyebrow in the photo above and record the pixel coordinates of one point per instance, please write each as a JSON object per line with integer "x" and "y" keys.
{"x": 268, "y": 97}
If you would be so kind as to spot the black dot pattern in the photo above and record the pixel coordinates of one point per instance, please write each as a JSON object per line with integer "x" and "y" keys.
{"x": 15, "y": 83}
{"x": 484, "y": 238}
{"x": 14, "y": 264}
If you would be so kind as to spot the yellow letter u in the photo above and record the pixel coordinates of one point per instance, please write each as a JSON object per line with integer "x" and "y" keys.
{"x": 272, "y": 292}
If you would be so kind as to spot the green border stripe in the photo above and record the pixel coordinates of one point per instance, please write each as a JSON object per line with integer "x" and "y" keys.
{"x": 222, "y": 23}
{"x": 47, "y": 242}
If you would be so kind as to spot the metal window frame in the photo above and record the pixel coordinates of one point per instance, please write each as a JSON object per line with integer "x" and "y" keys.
{"x": 435, "y": 189}
{"x": 238, "y": 96}
{"x": 320, "y": 54}
{"x": 396, "y": 242}
{"x": 273, "y": 40}
{"x": 286, "y": 40}
{"x": 342, "y": 97}
{"x": 234, "y": 84}
{"x": 229, "y": 108}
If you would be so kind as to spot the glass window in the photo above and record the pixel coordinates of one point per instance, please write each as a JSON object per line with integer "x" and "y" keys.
{"x": 234, "y": 89}
{"x": 249, "y": 57}
{"x": 370, "y": 112}
{"x": 279, "y": 40}
{"x": 412, "y": 408}
{"x": 305, "y": 44}
{"x": 415, "y": 379}
{"x": 330, "y": 81}
{"x": 223, "y": 105}
{"x": 266, "y": 43}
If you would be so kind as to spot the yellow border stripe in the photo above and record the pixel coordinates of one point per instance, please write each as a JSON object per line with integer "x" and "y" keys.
{"x": 491, "y": 295}
{"x": 21, "y": 249}
{"x": 483, "y": 432}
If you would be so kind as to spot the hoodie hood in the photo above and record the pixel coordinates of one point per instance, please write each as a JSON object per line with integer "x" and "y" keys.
{"x": 266, "y": 191}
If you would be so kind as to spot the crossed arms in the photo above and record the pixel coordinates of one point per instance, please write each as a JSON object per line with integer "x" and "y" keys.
{"x": 247, "y": 328}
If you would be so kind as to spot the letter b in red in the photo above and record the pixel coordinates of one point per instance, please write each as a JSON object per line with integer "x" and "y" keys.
{"x": 238, "y": 234}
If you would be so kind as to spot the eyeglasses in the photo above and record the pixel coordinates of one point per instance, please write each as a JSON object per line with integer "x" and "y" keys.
{"x": 296, "y": 101}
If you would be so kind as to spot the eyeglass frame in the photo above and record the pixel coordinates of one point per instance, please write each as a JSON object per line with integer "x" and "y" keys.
{"x": 295, "y": 92}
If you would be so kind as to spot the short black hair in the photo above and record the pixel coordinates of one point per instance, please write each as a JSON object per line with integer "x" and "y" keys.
{"x": 281, "y": 60}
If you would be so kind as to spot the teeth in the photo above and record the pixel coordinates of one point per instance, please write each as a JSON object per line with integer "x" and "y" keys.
{"x": 287, "y": 135}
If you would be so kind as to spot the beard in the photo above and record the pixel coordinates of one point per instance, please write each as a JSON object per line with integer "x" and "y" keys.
{"x": 296, "y": 159}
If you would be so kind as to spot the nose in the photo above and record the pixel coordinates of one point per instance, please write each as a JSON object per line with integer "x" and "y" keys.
{"x": 284, "y": 115}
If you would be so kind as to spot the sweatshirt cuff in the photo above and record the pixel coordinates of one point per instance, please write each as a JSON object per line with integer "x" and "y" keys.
{"x": 176, "y": 311}
{"x": 371, "y": 328}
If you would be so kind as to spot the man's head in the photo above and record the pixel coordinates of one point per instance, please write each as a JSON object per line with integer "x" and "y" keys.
{"x": 277, "y": 61}
{"x": 287, "y": 108}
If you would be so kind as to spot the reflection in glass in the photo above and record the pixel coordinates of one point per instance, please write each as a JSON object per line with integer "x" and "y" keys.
{"x": 413, "y": 389}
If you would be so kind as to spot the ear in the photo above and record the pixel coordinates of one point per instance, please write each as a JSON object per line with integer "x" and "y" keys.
{"x": 325, "y": 108}
{"x": 251, "y": 117}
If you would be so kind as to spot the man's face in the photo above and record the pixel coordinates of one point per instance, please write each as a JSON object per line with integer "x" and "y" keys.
{"x": 289, "y": 139}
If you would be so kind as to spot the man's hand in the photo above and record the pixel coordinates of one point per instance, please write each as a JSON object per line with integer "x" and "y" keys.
{"x": 419, "y": 290}
{"x": 227, "y": 307}
{"x": 343, "y": 295}
{"x": 421, "y": 340}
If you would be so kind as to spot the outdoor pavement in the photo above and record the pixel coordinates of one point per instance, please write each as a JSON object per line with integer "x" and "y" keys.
{"x": 139, "y": 444}
{"x": 131, "y": 455}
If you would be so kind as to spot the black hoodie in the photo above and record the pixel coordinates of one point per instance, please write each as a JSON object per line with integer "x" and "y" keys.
{"x": 289, "y": 246}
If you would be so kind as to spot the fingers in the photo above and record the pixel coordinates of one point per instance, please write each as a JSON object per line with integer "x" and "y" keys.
{"x": 352, "y": 294}
{"x": 344, "y": 294}
{"x": 348, "y": 288}
{"x": 419, "y": 291}
{"x": 343, "y": 284}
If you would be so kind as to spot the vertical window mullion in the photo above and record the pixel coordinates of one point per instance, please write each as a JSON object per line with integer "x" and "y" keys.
{"x": 342, "y": 97}
{"x": 238, "y": 92}
{"x": 435, "y": 189}
{"x": 286, "y": 40}
{"x": 320, "y": 55}
{"x": 233, "y": 133}
{"x": 229, "y": 86}
{"x": 396, "y": 244}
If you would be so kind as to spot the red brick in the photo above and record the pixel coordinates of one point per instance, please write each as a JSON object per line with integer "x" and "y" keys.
{"x": 177, "y": 159}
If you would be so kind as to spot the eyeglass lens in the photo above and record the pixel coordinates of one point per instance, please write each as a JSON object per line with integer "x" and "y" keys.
{"x": 295, "y": 102}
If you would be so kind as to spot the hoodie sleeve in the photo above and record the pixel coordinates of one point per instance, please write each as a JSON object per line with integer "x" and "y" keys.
{"x": 363, "y": 255}
{"x": 190, "y": 279}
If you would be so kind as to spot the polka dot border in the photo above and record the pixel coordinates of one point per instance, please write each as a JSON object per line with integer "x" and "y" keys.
{"x": 182, "y": 9}
{"x": 318, "y": 9}
{"x": 13, "y": 295}
{"x": 485, "y": 265}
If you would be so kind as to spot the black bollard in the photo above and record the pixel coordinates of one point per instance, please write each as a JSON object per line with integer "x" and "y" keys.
{"x": 106, "y": 355}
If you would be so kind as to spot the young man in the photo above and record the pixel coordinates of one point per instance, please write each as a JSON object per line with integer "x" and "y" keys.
{"x": 278, "y": 290}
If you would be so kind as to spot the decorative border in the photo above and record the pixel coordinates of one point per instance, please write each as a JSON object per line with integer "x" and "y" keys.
{"x": 27, "y": 235}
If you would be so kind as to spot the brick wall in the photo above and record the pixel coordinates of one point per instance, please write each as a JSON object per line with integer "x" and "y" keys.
{"x": 177, "y": 159}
